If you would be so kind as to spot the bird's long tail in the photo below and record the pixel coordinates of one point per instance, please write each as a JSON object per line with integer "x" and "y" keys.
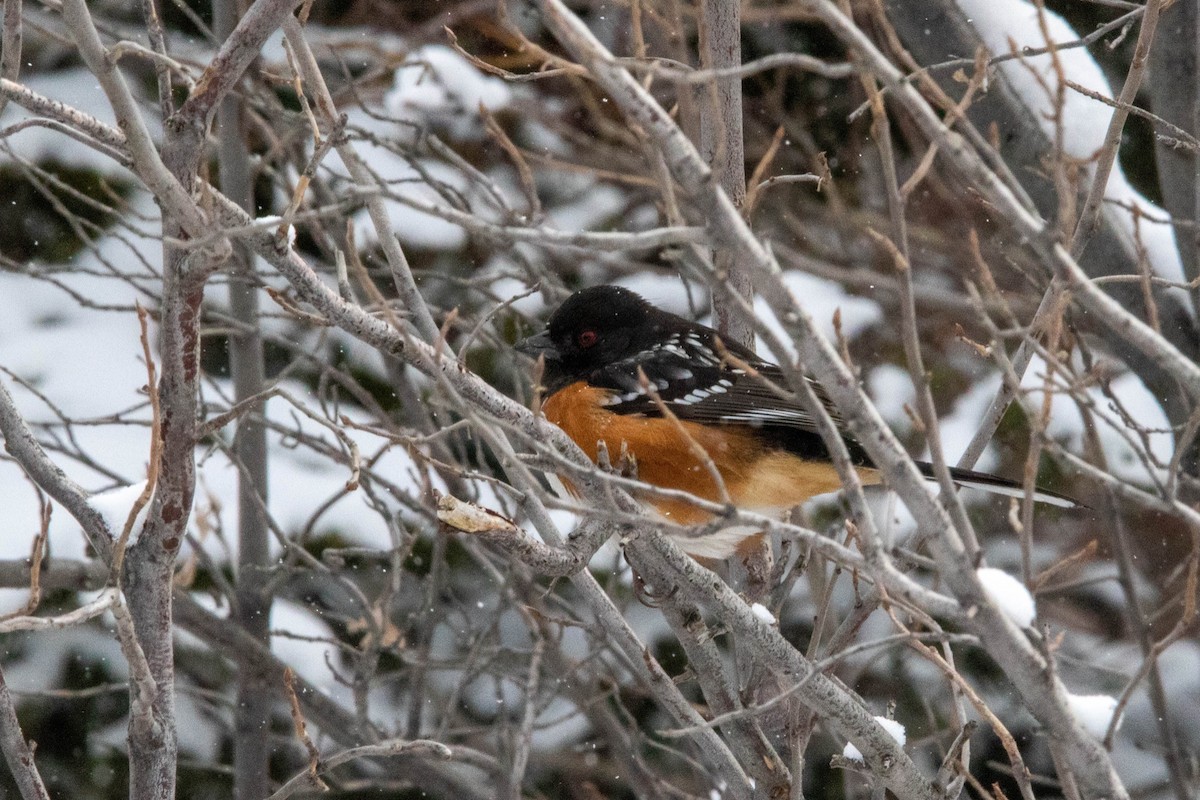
{"x": 997, "y": 485}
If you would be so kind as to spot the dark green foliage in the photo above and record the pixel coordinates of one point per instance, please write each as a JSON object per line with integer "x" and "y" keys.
{"x": 38, "y": 213}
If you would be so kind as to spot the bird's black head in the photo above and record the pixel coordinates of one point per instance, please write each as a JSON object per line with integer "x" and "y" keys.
{"x": 593, "y": 328}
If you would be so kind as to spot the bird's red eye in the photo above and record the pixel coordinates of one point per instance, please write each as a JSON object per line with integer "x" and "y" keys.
{"x": 587, "y": 339}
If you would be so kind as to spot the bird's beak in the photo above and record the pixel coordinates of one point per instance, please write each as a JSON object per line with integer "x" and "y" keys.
{"x": 539, "y": 345}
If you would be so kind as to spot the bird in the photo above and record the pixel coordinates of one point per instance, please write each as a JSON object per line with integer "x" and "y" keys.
{"x": 624, "y": 375}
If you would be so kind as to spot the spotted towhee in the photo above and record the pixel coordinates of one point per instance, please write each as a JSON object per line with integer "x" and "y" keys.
{"x": 680, "y": 402}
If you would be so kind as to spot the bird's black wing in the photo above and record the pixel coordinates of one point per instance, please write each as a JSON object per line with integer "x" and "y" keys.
{"x": 689, "y": 374}
{"x": 698, "y": 385}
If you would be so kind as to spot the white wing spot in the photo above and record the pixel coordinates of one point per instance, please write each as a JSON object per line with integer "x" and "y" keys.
{"x": 766, "y": 415}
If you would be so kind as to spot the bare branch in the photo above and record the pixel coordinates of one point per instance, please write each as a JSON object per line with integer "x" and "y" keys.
{"x": 17, "y": 752}
{"x": 104, "y": 602}
{"x": 20, "y": 443}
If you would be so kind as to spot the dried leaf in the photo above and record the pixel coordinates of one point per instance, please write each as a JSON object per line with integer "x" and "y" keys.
{"x": 470, "y": 518}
